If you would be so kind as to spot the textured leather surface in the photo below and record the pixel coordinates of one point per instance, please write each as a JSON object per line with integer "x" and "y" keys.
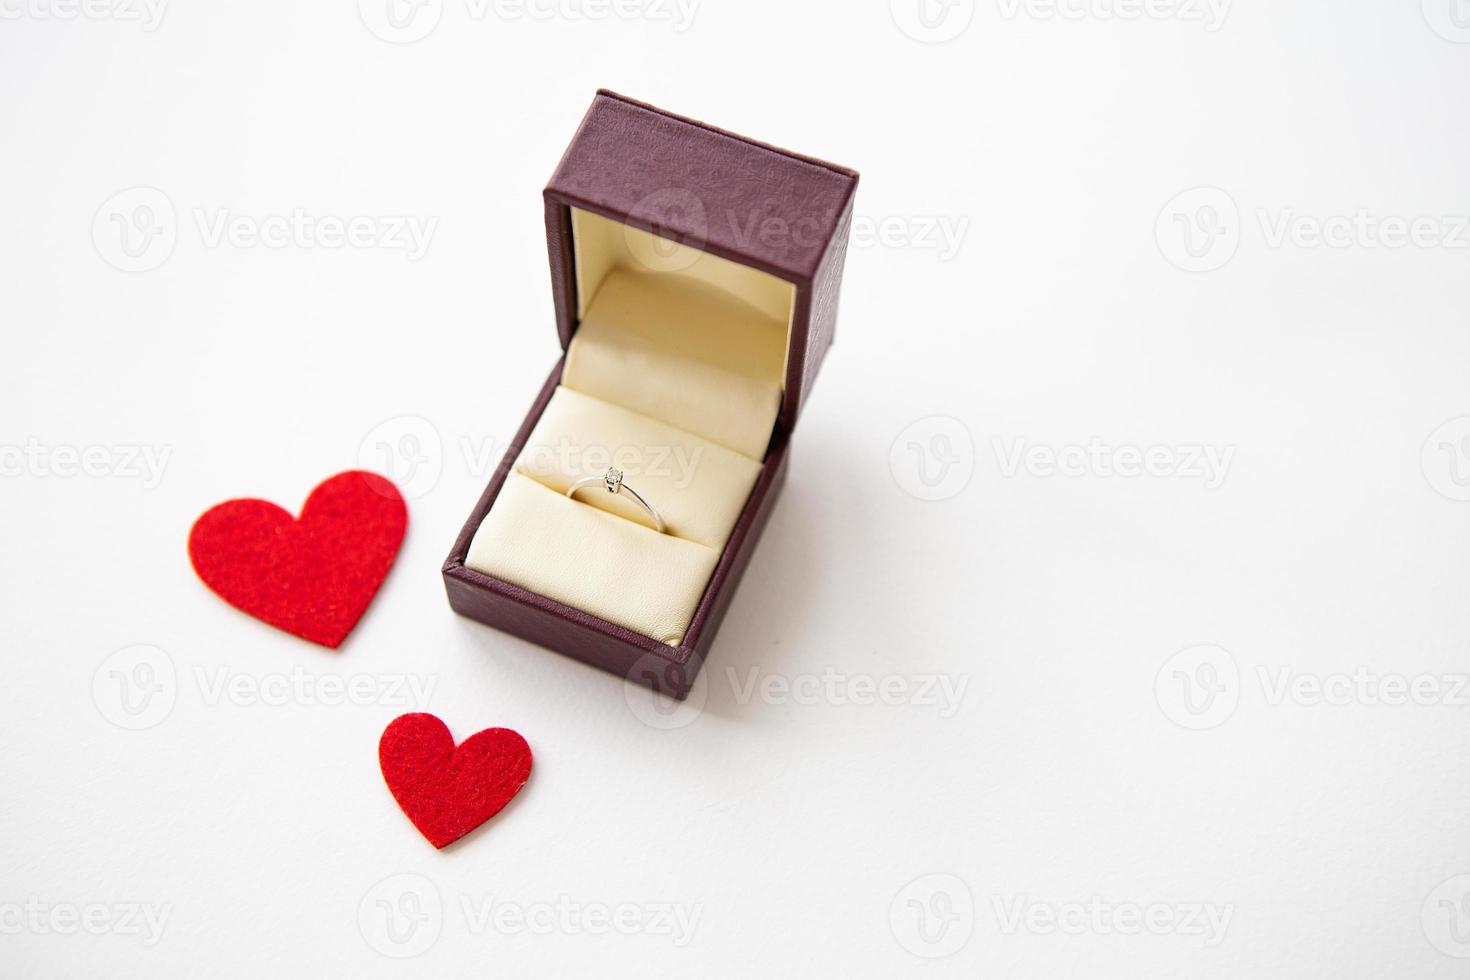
{"x": 634, "y": 162}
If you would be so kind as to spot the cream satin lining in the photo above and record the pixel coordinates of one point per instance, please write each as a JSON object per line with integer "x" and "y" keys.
{"x": 676, "y": 383}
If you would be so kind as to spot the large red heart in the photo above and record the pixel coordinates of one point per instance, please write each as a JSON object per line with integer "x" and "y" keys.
{"x": 314, "y": 575}
{"x": 448, "y": 791}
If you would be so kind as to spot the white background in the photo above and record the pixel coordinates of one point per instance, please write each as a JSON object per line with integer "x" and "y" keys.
{"x": 1118, "y": 738}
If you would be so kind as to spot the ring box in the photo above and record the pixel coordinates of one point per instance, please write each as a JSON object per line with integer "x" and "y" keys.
{"x": 694, "y": 250}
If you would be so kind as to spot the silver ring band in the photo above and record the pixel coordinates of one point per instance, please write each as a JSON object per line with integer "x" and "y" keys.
{"x": 612, "y": 482}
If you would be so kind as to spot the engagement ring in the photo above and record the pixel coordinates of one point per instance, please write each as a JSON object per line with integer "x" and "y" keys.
{"x": 612, "y": 482}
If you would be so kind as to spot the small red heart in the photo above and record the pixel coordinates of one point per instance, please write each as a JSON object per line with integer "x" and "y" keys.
{"x": 314, "y": 575}
{"x": 448, "y": 791}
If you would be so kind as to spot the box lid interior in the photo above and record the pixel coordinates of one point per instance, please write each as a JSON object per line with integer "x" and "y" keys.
{"x": 743, "y": 238}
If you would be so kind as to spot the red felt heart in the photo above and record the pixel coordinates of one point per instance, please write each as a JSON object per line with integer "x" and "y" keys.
{"x": 447, "y": 790}
{"x": 313, "y": 575}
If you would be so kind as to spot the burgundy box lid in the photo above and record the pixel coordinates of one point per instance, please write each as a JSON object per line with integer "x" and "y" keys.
{"x": 763, "y": 207}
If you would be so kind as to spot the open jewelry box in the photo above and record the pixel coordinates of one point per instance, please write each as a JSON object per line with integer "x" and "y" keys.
{"x": 695, "y": 276}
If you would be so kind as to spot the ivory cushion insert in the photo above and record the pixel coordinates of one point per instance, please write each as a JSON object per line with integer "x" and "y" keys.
{"x": 698, "y": 488}
{"x": 541, "y": 540}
